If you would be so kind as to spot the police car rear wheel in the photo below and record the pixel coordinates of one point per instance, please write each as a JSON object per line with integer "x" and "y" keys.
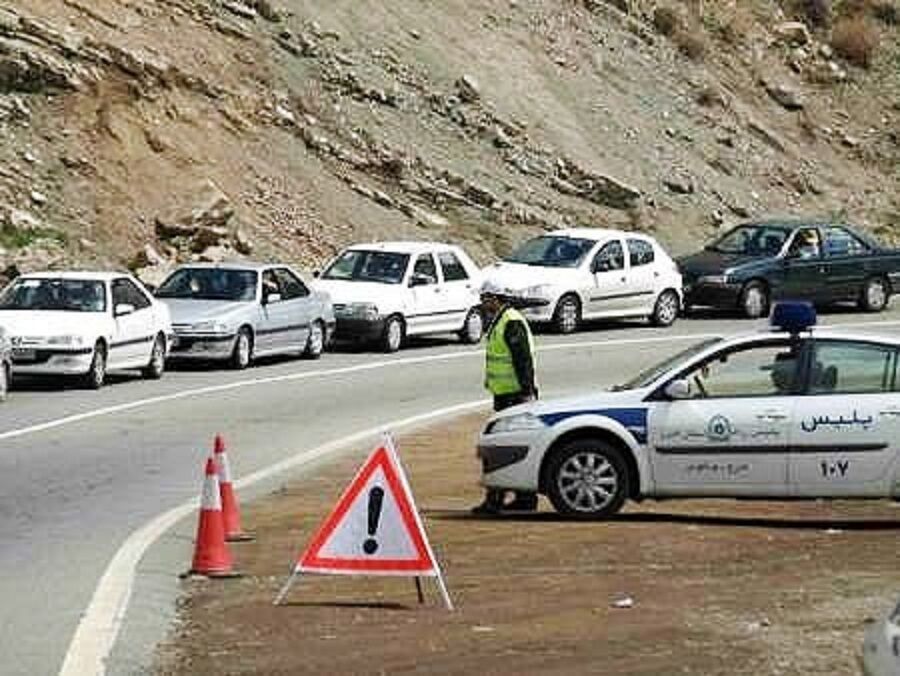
{"x": 587, "y": 479}
{"x": 392, "y": 339}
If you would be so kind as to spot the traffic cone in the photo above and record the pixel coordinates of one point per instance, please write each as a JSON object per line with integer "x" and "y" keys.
{"x": 231, "y": 512}
{"x": 211, "y": 555}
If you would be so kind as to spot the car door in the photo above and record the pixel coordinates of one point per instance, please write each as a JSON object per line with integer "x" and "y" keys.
{"x": 459, "y": 292}
{"x": 272, "y": 335}
{"x": 607, "y": 292}
{"x": 134, "y": 325}
{"x": 642, "y": 276}
{"x": 729, "y": 436}
{"x": 427, "y": 297}
{"x": 846, "y": 435}
{"x": 297, "y": 308}
{"x": 844, "y": 269}
{"x": 804, "y": 268}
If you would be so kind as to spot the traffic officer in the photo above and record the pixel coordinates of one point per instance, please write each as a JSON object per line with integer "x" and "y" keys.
{"x": 509, "y": 376}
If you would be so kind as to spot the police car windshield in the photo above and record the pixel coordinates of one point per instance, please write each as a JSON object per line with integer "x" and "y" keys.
{"x": 356, "y": 265}
{"x": 554, "y": 252}
{"x": 66, "y": 295}
{"x": 752, "y": 240}
{"x": 648, "y": 376}
{"x": 210, "y": 284}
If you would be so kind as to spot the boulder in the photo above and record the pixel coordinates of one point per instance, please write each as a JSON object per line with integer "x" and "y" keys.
{"x": 786, "y": 96}
{"x": 468, "y": 89}
{"x": 793, "y": 33}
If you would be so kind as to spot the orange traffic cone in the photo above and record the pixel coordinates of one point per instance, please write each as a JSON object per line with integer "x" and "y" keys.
{"x": 231, "y": 512}
{"x": 211, "y": 555}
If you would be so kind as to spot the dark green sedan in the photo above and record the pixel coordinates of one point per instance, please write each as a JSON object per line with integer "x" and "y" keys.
{"x": 753, "y": 264}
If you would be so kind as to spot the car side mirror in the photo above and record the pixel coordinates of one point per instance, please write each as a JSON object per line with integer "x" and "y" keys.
{"x": 272, "y": 297}
{"x": 600, "y": 265}
{"x": 420, "y": 279}
{"x": 123, "y": 309}
{"x": 678, "y": 389}
{"x": 317, "y": 274}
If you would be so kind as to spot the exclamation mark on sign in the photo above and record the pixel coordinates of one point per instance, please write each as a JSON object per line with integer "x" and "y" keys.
{"x": 376, "y": 496}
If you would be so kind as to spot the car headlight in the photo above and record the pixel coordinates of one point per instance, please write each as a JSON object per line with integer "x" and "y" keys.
{"x": 65, "y": 340}
{"x": 521, "y": 422}
{"x": 718, "y": 280}
{"x": 539, "y": 291}
{"x": 209, "y": 327}
{"x": 368, "y": 311}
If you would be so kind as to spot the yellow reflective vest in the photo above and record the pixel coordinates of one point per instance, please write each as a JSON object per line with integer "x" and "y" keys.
{"x": 500, "y": 374}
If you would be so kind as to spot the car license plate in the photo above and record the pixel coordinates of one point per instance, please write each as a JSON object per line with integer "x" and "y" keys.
{"x": 22, "y": 354}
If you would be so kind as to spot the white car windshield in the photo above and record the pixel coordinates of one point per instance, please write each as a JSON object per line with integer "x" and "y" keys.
{"x": 358, "y": 265}
{"x": 752, "y": 240}
{"x": 648, "y": 376}
{"x": 210, "y": 284}
{"x": 55, "y": 294}
{"x": 552, "y": 251}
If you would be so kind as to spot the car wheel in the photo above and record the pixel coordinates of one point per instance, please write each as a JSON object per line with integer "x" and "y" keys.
{"x": 157, "y": 364}
{"x": 4, "y": 381}
{"x": 874, "y": 297}
{"x": 755, "y": 300}
{"x": 392, "y": 338}
{"x": 567, "y": 317}
{"x": 473, "y": 329}
{"x": 587, "y": 479}
{"x": 242, "y": 353}
{"x": 315, "y": 343}
{"x": 96, "y": 375}
{"x": 665, "y": 312}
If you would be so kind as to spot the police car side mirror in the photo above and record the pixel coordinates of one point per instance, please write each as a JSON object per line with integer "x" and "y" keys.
{"x": 678, "y": 389}
{"x": 421, "y": 279}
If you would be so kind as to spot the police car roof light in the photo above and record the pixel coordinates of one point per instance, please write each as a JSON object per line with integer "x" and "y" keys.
{"x": 793, "y": 316}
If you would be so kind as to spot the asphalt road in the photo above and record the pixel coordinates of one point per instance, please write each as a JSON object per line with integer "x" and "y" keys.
{"x": 80, "y": 471}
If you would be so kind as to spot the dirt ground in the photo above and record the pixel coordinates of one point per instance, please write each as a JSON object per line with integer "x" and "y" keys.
{"x": 718, "y": 587}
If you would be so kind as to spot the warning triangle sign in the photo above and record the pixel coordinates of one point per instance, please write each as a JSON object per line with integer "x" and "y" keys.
{"x": 375, "y": 528}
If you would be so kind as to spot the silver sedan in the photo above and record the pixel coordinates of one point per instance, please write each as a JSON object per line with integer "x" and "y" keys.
{"x": 5, "y": 363}
{"x": 239, "y": 311}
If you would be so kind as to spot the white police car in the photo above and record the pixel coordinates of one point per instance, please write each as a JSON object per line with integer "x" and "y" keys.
{"x": 779, "y": 414}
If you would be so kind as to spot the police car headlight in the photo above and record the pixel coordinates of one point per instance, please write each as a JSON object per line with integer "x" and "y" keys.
{"x": 523, "y": 422}
{"x": 66, "y": 340}
{"x": 539, "y": 291}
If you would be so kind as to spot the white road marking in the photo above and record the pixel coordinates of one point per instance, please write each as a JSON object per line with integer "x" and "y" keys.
{"x": 385, "y": 363}
{"x": 101, "y": 622}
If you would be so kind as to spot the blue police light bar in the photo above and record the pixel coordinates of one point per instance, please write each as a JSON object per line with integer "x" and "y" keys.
{"x": 793, "y": 316}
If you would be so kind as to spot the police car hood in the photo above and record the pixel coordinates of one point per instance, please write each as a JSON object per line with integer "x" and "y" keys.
{"x": 344, "y": 292}
{"x": 595, "y": 404}
{"x": 515, "y": 278}
{"x": 34, "y": 323}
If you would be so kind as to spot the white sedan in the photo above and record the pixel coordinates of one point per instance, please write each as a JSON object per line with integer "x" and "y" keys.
{"x": 567, "y": 276}
{"x": 84, "y": 324}
{"x": 783, "y": 414}
{"x": 387, "y": 291}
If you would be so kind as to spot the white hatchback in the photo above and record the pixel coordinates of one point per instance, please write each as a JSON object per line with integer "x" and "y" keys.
{"x": 387, "y": 291}
{"x": 84, "y": 324}
{"x": 567, "y": 276}
{"x": 782, "y": 414}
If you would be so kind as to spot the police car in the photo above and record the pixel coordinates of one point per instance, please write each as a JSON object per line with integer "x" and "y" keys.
{"x": 780, "y": 414}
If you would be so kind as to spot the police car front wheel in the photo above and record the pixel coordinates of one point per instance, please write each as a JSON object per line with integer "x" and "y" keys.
{"x": 588, "y": 479}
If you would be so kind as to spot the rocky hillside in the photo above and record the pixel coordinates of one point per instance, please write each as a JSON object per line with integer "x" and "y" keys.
{"x": 141, "y": 132}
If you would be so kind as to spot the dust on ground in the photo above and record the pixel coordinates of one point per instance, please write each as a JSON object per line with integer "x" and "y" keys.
{"x": 718, "y": 587}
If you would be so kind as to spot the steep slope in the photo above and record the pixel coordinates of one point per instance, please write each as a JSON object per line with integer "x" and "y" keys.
{"x": 202, "y": 127}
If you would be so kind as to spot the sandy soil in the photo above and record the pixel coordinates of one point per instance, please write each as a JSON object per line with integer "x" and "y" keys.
{"x": 718, "y": 587}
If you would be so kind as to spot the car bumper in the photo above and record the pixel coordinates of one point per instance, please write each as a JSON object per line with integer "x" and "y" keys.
{"x": 511, "y": 460}
{"x": 350, "y": 329}
{"x": 712, "y": 295}
{"x": 537, "y": 310}
{"x": 54, "y": 362}
{"x": 199, "y": 346}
